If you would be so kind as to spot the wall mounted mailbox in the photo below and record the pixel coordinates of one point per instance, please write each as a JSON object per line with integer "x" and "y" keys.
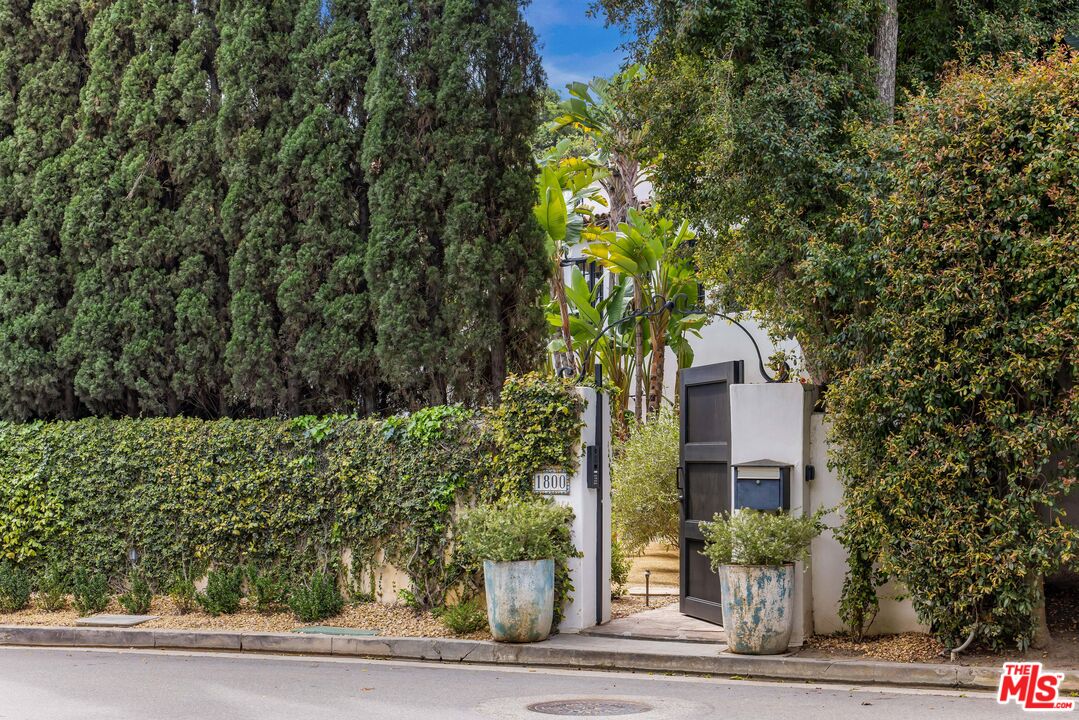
{"x": 763, "y": 485}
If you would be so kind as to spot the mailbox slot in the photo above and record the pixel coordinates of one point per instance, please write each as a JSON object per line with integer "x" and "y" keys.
{"x": 766, "y": 488}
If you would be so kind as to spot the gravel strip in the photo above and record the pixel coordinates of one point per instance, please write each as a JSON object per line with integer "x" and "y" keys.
{"x": 389, "y": 620}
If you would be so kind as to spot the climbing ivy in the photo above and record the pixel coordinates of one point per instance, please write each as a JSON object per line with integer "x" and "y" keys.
{"x": 537, "y": 413}
{"x": 285, "y": 494}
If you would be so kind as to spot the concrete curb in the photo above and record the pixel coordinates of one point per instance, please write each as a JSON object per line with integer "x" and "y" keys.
{"x": 860, "y": 672}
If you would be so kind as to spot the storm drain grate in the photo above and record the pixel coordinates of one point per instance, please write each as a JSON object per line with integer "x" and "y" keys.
{"x": 589, "y": 708}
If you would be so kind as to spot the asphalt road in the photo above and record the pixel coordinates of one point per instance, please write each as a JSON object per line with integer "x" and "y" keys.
{"x": 48, "y": 684}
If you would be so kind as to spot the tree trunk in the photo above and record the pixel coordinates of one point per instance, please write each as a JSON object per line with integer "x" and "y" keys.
{"x": 1042, "y": 637}
{"x": 885, "y": 47}
{"x": 558, "y": 289}
{"x": 659, "y": 360}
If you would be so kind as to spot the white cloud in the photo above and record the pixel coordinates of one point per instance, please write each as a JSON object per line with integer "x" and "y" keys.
{"x": 546, "y": 14}
{"x": 563, "y": 69}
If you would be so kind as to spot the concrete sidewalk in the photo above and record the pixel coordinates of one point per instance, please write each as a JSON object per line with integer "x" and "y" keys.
{"x": 570, "y": 651}
{"x": 663, "y": 623}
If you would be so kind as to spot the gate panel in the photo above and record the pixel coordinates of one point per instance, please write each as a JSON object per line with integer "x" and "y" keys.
{"x": 704, "y": 478}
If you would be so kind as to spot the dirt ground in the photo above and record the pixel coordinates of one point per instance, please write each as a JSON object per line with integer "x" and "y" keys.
{"x": 661, "y": 559}
{"x": 1061, "y": 653}
{"x": 632, "y": 604}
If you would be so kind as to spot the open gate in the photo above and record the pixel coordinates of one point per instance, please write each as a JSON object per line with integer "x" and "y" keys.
{"x": 703, "y": 478}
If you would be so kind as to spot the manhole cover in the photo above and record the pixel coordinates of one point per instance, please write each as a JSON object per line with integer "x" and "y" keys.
{"x": 589, "y": 708}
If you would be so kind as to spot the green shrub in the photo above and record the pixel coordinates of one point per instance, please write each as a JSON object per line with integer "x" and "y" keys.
{"x": 14, "y": 588}
{"x": 465, "y": 617}
{"x": 265, "y": 589}
{"x": 748, "y": 537}
{"x": 513, "y": 530}
{"x": 91, "y": 592}
{"x": 183, "y": 593}
{"x": 137, "y": 599}
{"x": 52, "y": 588}
{"x": 316, "y": 600}
{"x": 224, "y": 590}
{"x": 522, "y": 529}
{"x": 644, "y": 492}
{"x": 620, "y": 567}
{"x": 956, "y": 425}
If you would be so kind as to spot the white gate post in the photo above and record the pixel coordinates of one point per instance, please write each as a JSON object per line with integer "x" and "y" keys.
{"x": 771, "y": 420}
{"x": 590, "y": 602}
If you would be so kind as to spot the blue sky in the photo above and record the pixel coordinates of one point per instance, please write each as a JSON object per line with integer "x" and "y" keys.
{"x": 574, "y": 46}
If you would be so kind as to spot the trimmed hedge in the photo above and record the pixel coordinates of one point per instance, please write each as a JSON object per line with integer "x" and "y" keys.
{"x": 289, "y": 494}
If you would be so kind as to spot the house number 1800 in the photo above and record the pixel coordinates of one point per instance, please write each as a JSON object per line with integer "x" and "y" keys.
{"x": 551, "y": 482}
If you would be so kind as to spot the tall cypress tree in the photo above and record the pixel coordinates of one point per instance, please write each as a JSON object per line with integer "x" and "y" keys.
{"x": 454, "y": 257}
{"x": 256, "y": 88}
{"x": 189, "y": 94}
{"x": 42, "y": 70}
{"x": 489, "y": 97}
{"x": 405, "y": 252}
{"x": 166, "y": 258}
{"x": 325, "y": 334}
{"x": 93, "y": 234}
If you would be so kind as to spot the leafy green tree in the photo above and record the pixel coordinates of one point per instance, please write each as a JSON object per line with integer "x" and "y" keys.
{"x": 93, "y": 233}
{"x": 753, "y": 113}
{"x": 453, "y": 259}
{"x": 403, "y": 252}
{"x": 960, "y": 415}
{"x": 325, "y": 334}
{"x": 256, "y": 88}
{"x": 147, "y": 323}
{"x": 42, "y": 69}
{"x": 490, "y": 88}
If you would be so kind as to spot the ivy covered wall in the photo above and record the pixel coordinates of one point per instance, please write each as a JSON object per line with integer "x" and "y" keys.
{"x": 288, "y": 494}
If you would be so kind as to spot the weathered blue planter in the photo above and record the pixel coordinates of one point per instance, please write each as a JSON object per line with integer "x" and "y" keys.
{"x": 758, "y": 607}
{"x": 520, "y": 599}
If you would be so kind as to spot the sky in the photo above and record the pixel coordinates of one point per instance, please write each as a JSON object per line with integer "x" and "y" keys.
{"x": 574, "y": 46}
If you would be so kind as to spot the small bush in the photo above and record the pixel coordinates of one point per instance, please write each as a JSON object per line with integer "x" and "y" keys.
{"x": 224, "y": 590}
{"x": 620, "y": 567}
{"x": 465, "y": 617}
{"x": 317, "y": 600}
{"x": 409, "y": 600}
{"x": 52, "y": 588}
{"x": 14, "y": 588}
{"x": 91, "y": 592}
{"x": 183, "y": 594}
{"x": 755, "y": 538}
{"x": 515, "y": 530}
{"x": 265, "y": 590}
{"x": 136, "y": 601}
{"x": 644, "y": 493}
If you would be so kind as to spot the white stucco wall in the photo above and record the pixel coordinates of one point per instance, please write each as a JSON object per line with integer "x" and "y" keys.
{"x": 771, "y": 422}
{"x": 829, "y": 559}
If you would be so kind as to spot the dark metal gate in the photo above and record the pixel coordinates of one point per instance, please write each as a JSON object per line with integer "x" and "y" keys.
{"x": 704, "y": 478}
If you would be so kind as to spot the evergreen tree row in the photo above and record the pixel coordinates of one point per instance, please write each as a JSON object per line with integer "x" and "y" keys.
{"x": 247, "y": 208}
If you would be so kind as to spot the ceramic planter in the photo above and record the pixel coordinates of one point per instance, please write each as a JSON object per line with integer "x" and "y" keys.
{"x": 520, "y": 599}
{"x": 758, "y": 607}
